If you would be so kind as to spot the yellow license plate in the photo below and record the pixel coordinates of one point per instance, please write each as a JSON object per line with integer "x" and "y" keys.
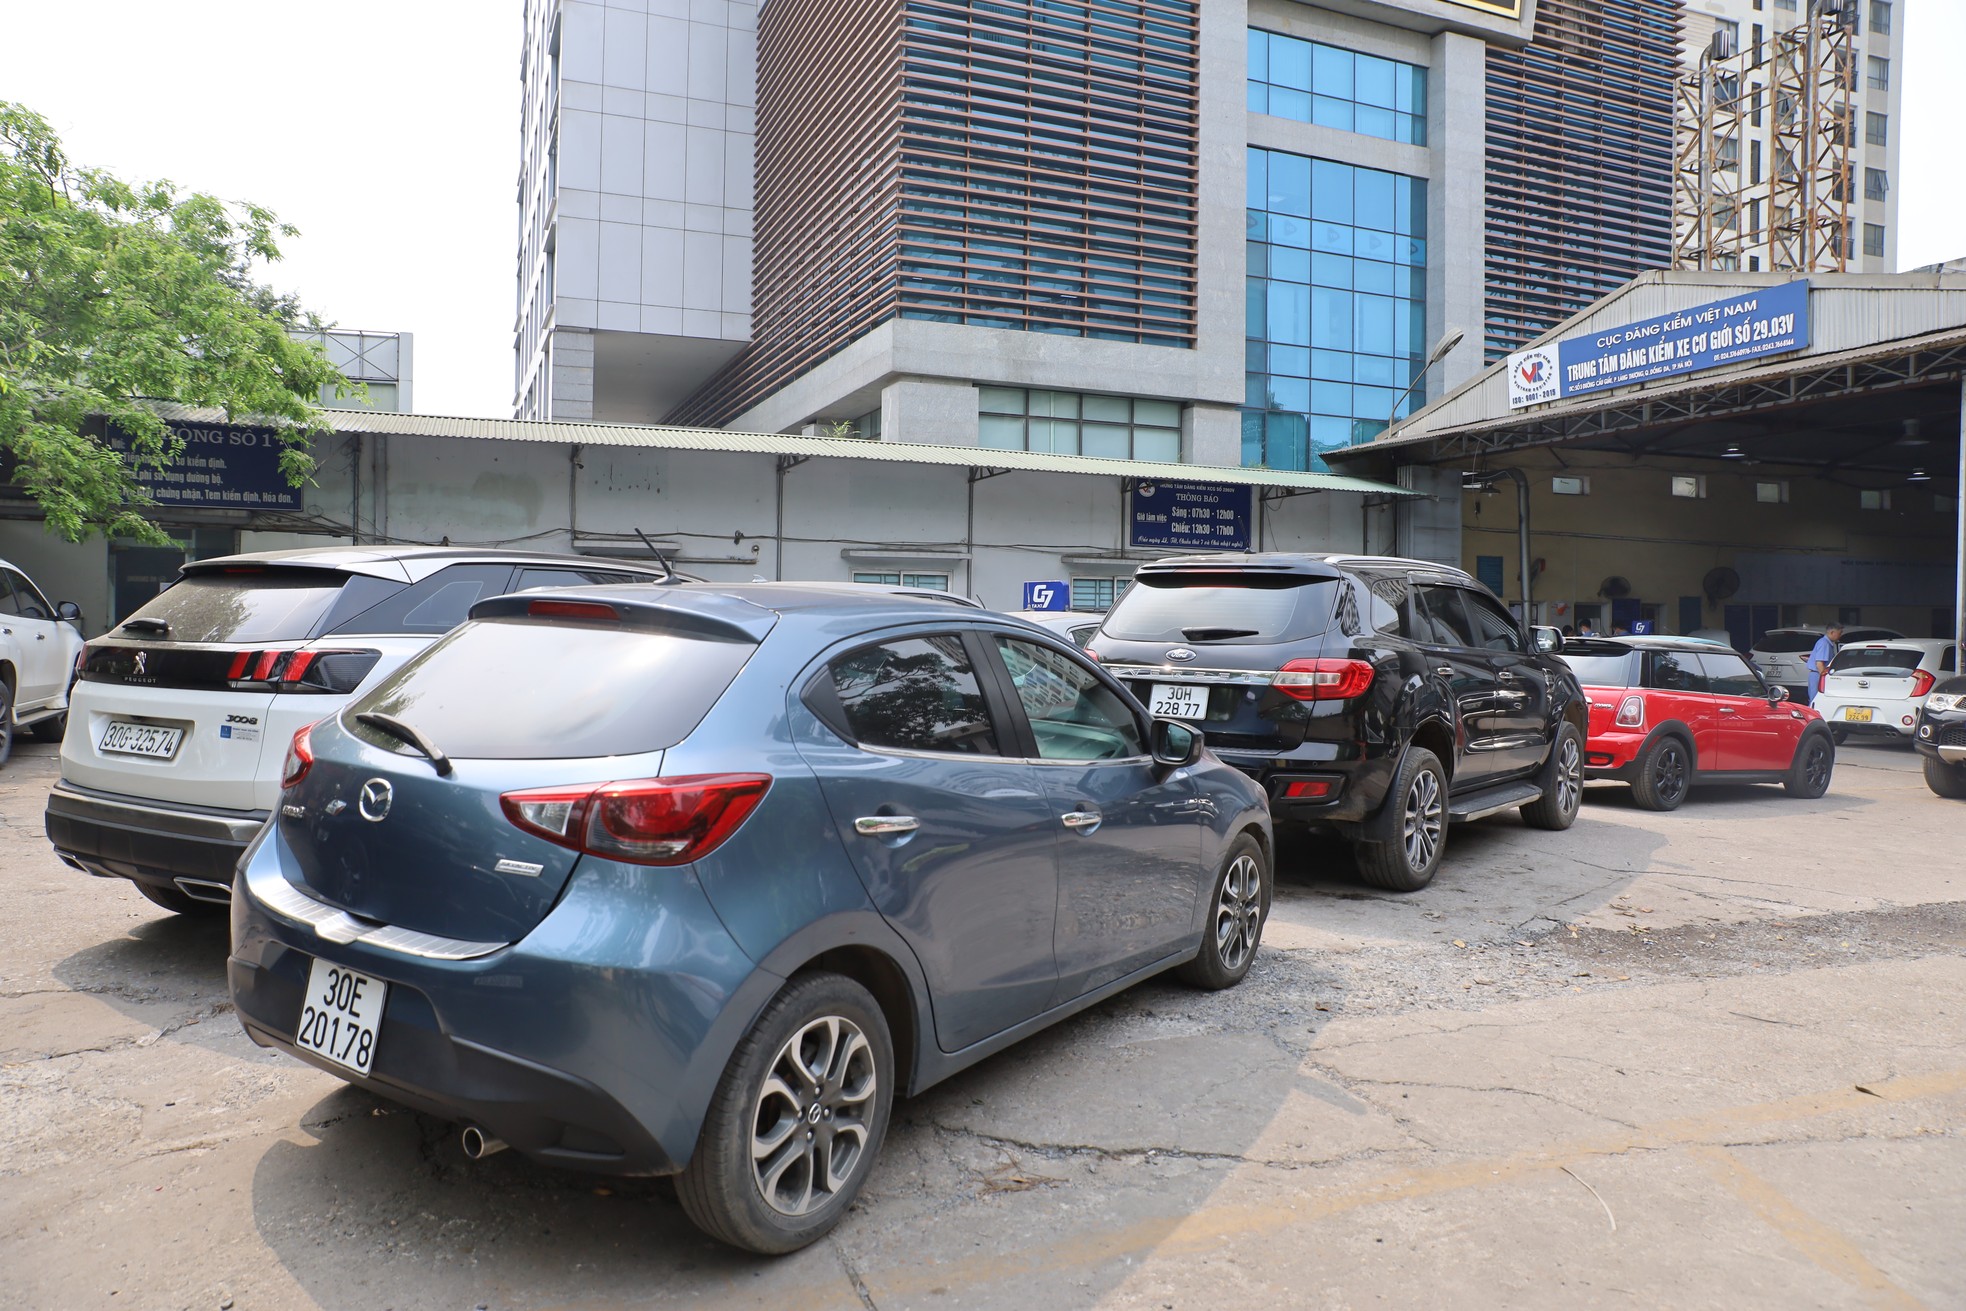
{"x": 1856, "y": 714}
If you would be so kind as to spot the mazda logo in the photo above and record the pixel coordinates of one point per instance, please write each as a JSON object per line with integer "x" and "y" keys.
{"x": 375, "y": 798}
{"x": 1180, "y": 653}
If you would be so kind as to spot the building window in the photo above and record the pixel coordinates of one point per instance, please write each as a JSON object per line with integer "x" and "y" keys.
{"x": 1880, "y": 73}
{"x": 1873, "y": 238}
{"x": 1315, "y": 83}
{"x": 1070, "y": 423}
{"x": 1693, "y": 486}
{"x": 1877, "y": 184}
{"x": 1874, "y": 498}
{"x": 1571, "y": 486}
{"x": 1097, "y": 593}
{"x": 1880, "y": 17}
{"x": 926, "y": 582}
{"x": 1785, "y": 4}
{"x": 1772, "y": 493}
{"x": 1877, "y": 128}
{"x": 1336, "y": 315}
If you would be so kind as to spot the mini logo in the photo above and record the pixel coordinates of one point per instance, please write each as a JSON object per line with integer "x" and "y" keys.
{"x": 143, "y": 658}
{"x": 1180, "y": 653}
{"x": 375, "y": 799}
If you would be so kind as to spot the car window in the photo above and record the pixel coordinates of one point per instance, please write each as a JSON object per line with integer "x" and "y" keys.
{"x": 8, "y": 603}
{"x": 914, "y": 694}
{"x": 25, "y": 598}
{"x": 1679, "y": 671}
{"x": 436, "y": 605}
{"x": 1225, "y": 605}
{"x": 1073, "y": 714}
{"x": 1729, "y": 675}
{"x": 1600, "y": 670}
{"x": 1880, "y": 660}
{"x": 540, "y": 577}
{"x": 1492, "y": 626}
{"x": 1083, "y": 634}
{"x": 1439, "y": 618}
{"x": 245, "y": 604}
{"x": 1949, "y": 663}
{"x": 1786, "y": 641}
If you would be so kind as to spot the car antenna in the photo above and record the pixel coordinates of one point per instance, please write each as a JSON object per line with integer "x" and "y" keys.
{"x": 667, "y": 568}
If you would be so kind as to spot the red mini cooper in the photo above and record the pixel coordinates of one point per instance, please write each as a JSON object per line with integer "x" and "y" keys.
{"x": 1669, "y": 713}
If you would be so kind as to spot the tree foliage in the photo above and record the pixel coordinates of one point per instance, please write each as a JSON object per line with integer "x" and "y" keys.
{"x": 114, "y": 295}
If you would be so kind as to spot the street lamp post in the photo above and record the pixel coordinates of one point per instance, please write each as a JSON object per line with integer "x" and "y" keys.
{"x": 1434, "y": 356}
{"x": 1486, "y": 478}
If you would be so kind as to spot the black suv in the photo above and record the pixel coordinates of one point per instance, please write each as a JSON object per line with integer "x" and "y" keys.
{"x": 1374, "y": 697}
{"x": 1941, "y": 738}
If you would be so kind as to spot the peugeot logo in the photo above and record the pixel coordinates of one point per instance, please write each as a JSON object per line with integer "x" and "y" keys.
{"x": 1180, "y": 653}
{"x": 143, "y": 658}
{"x": 374, "y": 800}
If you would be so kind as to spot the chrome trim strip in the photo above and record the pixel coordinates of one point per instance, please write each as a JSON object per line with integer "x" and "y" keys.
{"x": 338, "y": 926}
{"x": 71, "y": 802}
{"x": 1183, "y": 674}
{"x": 1952, "y": 755}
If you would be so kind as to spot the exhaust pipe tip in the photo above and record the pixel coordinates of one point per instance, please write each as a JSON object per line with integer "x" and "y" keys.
{"x": 478, "y": 1144}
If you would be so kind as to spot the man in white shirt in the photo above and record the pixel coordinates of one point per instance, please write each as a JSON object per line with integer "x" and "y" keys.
{"x": 1820, "y": 657}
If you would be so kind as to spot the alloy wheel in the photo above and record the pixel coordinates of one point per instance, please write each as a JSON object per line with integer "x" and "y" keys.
{"x": 1239, "y": 912}
{"x": 810, "y": 1122}
{"x": 1671, "y": 773}
{"x": 1423, "y": 820}
{"x": 1816, "y": 766}
{"x": 1569, "y": 775}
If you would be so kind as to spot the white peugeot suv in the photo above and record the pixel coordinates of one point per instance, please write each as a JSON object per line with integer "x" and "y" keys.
{"x": 180, "y": 716}
{"x": 38, "y": 646}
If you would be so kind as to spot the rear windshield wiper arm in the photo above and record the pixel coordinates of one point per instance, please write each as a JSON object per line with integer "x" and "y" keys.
{"x": 161, "y": 627}
{"x": 1215, "y": 634}
{"x": 408, "y": 736}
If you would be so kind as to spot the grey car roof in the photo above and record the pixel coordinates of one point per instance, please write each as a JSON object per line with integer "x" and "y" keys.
{"x": 408, "y": 563}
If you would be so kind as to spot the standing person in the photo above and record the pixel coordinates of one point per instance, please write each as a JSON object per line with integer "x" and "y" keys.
{"x": 1586, "y": 629}
{"x": 1820, "y": 657}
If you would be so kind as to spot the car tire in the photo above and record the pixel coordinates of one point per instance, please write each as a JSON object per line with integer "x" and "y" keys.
{"x": 6, "y": 723}
{"x": 1563, "y": 783}
{"x": 1663, "y": 773}
{"x": 1239, "y": 906}
{"x": 1945, "y": 780}
{"x": 173, "y": 900}
{"x": 1417, "y": 802}
{"x": 766, "y": 1142}
{"x": 51, "y": 730}
{"x": 1809, "y": 772}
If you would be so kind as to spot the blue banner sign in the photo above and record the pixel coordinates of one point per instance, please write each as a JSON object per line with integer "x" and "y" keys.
{"x": 1048, "y": 596}
{"x": 223, "y": 467}
{"x": 1766, "y": 321}
{"x": 1191, "y": 516}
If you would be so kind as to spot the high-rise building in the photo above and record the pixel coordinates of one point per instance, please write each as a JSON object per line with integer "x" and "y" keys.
{"x": 1580, "y": 161}
{"x": 1224, "y": 232}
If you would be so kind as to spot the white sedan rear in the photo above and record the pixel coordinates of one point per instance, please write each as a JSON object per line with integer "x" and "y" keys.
{"x": 1878, "y": 687}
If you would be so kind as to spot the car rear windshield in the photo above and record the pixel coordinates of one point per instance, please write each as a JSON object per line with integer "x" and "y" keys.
{"x": 1602, "y": 670}
{"x": 246, "y": 605}
{"x": 1225, "y": 607}
{"x": 521, "y": 690}
{"x": 1883, "y": 660}
{"x": 1787, "y": 643}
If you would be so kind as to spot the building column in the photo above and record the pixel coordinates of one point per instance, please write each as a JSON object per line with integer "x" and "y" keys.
{"x": 1457, "y": 136}
{"x": 1211, "y": 434}
{"x": 929, "y": 412}
{"x": 571, "y": 387}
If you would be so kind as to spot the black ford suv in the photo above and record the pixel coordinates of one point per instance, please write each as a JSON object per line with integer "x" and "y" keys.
{"x": 1375, "y": 697}
{"x": 1941, "y": 738}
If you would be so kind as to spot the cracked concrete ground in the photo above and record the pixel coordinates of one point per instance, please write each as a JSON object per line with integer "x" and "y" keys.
{"x": 1712, "y": 1058}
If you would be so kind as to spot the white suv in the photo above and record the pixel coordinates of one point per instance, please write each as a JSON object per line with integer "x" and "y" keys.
{"x": 38, "y": 647}
{"x": 1782, "y": 654}
{"x": 181, "y": 716}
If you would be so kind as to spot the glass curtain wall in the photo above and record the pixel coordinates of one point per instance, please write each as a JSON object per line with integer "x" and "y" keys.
{"x": 1315, "y": 83}
{"x": 1337, "y": 305}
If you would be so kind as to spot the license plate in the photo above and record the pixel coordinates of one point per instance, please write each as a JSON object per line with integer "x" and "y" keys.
{"x": 1179, "y": 701}
{"x": 1857, "y": 714}
{"x": 126, "y": 738}
{"x": 341, "y": 1015}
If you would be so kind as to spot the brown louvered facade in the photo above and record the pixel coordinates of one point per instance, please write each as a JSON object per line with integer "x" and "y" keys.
{"x": 1021, "y": 165}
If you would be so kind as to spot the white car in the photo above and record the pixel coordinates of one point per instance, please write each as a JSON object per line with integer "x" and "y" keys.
{"x": 1879, "y": 687}
{"x": 181, "y": 715}
{"x": 1782, "y": 654}
{"x": 1077, "y": 625}
{"x": 39, "y": 644}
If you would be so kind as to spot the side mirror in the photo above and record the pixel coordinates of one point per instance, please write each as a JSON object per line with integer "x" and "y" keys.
{"x": 1176, "y": 744}
{"x": 69, "y": 610}
{"x": 1548, "y": 641}
{"x": 1777, "y": 695}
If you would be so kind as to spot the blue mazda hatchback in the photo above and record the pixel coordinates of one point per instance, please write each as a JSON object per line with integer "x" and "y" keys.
{"x": 695, "y": 880}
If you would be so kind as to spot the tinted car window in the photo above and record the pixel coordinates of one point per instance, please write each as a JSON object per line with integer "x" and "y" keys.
{"x": 1782, "y": 642}
{"x": 246, "y": 604}
{"x": 27, "y": 600}
{"x": 636, "y": 691}
{"x": 1492, "y": 626}
{"x": 1600, "y": 670}
{"x": 914, "y": 694}
{"x": 537, "y": 577}
{"x": 1886, "y": 660}
{"x": 1227, "y": 606}
{"x": 1439, "y": 618}
{"x": 1729, "y": 675}
{"x": 1678, "y": 671}
{"x": 1073, "y": 715}
{"x": 436, "y": 605}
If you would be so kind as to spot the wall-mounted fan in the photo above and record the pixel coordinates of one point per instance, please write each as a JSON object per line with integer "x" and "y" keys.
{"x": 1720, "y": 583}
{"x": 1614, "y": 587}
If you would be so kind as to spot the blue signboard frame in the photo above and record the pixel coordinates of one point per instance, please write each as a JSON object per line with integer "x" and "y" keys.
{"x": 1053, "y": 594}
{"x": 1187, "y": 516}
{"x": 222, "y": 467}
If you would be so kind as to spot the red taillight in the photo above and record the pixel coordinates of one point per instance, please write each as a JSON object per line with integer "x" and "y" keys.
{"x": 333, "y": 671}
{"x": 1921, "y": 682}
{"x": 1631, "y": 712}
{"x": 590, "y": 610}
{"x": 1323, "y": 680}
{"x": 653, "y": 821}
{"x": 1308, "y": 789}
{"x": 1092, "y": 655}
{"x": 300, "y": 758}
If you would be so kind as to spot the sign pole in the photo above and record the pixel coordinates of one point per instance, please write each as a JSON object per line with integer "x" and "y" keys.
{"x": 1959, "y": 566}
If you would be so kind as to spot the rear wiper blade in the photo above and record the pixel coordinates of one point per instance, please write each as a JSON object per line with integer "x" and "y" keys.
{"x": 1215, "y": 634}
{"x": 161, "y": 627}
{"x": 408, "y": 736}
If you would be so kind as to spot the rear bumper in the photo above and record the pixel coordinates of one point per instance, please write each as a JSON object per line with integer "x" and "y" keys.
{"x": 1888, "y": 715}
{"x": 156, "y": 842}
{"x": 1613, "y": 754}
{"x": 1356, "y": 787}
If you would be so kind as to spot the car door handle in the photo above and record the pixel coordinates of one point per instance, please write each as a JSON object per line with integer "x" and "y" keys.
{"x": 1505, "y": 677}
{"x": 1080, "y": 818}
{"x": 1445, "y": 671}
{"x": 1727, "y": 710}
{"x": 878, "y": 826}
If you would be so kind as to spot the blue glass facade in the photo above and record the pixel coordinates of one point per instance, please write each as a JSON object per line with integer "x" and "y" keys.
{"x": 1337, "y": 305}
{"x": 1316, "y": 83}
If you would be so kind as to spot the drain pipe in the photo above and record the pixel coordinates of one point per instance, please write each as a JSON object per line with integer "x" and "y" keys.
{"x": 1487, "y": 477}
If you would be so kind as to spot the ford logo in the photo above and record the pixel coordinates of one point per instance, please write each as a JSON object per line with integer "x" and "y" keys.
{"x": 1180, "y": 653}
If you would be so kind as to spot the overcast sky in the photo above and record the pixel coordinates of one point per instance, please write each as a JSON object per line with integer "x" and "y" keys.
{"x": 387, "y": 132}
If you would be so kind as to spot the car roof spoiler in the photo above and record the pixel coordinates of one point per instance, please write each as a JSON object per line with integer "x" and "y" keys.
{"x": 706, "y": 615}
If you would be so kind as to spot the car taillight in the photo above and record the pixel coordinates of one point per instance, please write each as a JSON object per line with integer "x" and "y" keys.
{"x": 1921, "y": 682}
{"x": 1092, "y": 655}
{"x": 303, "y": 671}
{"x": 300, "y": 758}
{"x": 592, "y": 611}
{"x": 1323, "y": 680}
{"x": 1631, "y": 712}
{"x": 651, "y": 821}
